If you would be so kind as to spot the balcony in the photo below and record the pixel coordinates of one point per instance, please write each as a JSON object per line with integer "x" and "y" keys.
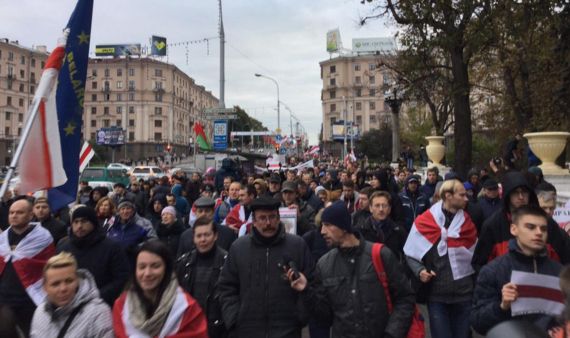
{"x": 11, "y": 77}
{"x": 159, "y": 90}
{"x": 332, "y": 87}
{"x": 33, "y": 80}
{"x": 106, "y": 89}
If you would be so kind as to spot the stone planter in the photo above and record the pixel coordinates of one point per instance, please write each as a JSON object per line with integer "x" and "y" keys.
{"x": 435, "y": 150}
{"x": 548, "y": 146}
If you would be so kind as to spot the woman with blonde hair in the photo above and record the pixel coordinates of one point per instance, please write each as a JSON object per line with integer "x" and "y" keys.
{"x": 106, "y": 209}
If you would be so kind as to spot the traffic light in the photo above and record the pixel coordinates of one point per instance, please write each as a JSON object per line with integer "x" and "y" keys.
{"x": 277, "y": 149}
{"x": 168, "y": 148}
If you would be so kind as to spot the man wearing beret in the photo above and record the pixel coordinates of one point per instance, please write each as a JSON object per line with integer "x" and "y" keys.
{"x": 347, "y": 292}
{"x": 205, "y": 206}
{"x": 103, "y": 257}
{"x": 255, "y": 295}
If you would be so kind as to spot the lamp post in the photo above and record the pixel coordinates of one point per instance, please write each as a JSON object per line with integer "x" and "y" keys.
{"x": 278, "y": 110}
{"x": 395, "y": 103}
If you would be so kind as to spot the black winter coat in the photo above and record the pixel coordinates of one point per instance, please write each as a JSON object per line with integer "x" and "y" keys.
{"x": 313, "y": 200}
{"x": 192, "y": 189}
{"x": 394, "y": 236}
{"x": 57, "y": 229}
{"x": 413, "y": 210}
{"x": 185, "y": 270}
{"x": 486, "y": 309}
{"x": 171, "y": 235}
{"x": 489, "y": 206}
{"x": 226, "y": 237}
{"x": 257, "y": 299}
{"x": 105, "y": 258}
{"x": 316, "y": 243}
{"x": 348, "y": 294}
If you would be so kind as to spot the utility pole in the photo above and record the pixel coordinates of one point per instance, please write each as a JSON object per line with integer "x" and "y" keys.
{"x": 344, "y": 118}
{"x": 222, "y": 59}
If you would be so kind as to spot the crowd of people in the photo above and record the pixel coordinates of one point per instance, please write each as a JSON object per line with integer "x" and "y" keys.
{"x": 209, "y": 256}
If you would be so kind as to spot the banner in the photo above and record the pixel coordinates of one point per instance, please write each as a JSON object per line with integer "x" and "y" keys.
{"x": 333, "y": 41}
{"x": 111, "y": 137}
{"x": 562, "y": 217}
{"x": 289, "y": 220}
{"x": 118, "y": 50}
{"x": 158, "y": 46}
{"x": 536, "y": 294}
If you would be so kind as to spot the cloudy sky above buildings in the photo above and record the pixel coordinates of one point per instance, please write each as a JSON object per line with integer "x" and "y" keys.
{"x": 282, "y": 39}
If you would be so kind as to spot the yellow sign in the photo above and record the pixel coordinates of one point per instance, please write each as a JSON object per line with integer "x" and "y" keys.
{"x": 278, "y": 131}
{"x": 160, "y": 45}
{"x": 108, "y": 50}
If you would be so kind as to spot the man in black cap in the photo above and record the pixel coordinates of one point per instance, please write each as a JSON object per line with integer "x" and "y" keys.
{"x": 274, "y": 187}
{"x": 339, "y": 295}
{"x": 102, "y": 256}
{"x": 205, "y": 207}
{"x": 252, "y": 286}
{"x": 490, "y": 202}
{"x": 120, "y": 194}
{"x": 413, "y": 202}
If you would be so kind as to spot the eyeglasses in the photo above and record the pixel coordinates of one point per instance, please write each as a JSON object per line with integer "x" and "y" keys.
{"x": 521, "y": 192}
{"x": 263, "y": 219}
{"x": 381, "y": 206}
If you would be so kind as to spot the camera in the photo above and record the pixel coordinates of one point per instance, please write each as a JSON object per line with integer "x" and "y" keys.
{"x": 498, "y": 161}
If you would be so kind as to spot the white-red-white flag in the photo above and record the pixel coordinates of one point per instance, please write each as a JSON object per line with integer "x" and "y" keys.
{"x": 41, "y": 164}
{"x": 536, "y": 293}
{"x": 85, "y": 156}
{"x": 313, "y": 150}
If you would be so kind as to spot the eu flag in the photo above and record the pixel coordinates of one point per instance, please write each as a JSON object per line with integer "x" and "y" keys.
{"x": 70, "y": 96}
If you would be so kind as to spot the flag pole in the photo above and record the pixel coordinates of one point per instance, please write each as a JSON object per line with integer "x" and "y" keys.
{"x": 18, "y": 153}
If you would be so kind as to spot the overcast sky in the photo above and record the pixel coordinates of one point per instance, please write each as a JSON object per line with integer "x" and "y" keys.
{"x": 282, "y": 39}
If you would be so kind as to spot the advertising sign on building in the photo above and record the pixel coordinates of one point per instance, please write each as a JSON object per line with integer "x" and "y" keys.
{"x": 386, "y": 45}
{"x": 158, "y": 45}
{"x": 111, "y": 137}
{"x": 333, "y": 41}
{"x": 220, "y": 135}
{"x": 352, "y": 131}
{"x": 118, "y": 50}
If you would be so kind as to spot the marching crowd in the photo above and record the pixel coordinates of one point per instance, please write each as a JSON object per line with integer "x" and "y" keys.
{"x": 210, "y": 256}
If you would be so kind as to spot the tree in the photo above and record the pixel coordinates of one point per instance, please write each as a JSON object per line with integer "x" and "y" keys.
{"x": 377, "y": 144}
{"x": 415, "y": 126}
{"x": 454, "y": 28}
{"x": 244, "y": 122}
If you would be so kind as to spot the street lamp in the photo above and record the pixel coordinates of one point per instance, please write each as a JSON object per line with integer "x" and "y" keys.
{"x": 395, "y": 103}
{"x": 278, "y": 110}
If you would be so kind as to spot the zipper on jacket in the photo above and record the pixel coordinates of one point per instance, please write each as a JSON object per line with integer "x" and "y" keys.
{"x": 267, "y": 293}
{"x": 534, "y": 263}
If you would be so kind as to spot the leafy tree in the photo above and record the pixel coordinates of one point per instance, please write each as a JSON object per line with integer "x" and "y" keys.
{"x": 415, "y": 126}
{"x": 377, "y": 144}
{"x": 483, "y": 151}
{"x": 244, "y": 122}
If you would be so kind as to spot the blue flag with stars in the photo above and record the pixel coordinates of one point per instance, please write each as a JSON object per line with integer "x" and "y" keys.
{"x": 70, "y": 95}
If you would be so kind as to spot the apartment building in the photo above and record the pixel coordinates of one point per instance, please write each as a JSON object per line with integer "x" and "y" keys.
{"x": 155, "y": 102}
{"x": 20, "y": 71}
{"x": 355, "y": 78}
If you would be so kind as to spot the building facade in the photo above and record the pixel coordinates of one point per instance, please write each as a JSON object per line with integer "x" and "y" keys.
{"x": 20, "y": 71}
{"x": 353, "y": 82}
{"x": 155, "y": 102}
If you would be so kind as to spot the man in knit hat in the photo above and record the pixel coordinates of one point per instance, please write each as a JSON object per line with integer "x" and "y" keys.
{"x": 354, "y": 308}
{"x": 130, "y": 229}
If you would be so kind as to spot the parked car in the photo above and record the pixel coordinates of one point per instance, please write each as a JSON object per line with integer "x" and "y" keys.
{"x": 146, "y": 172}
{"x": 120, "y": 166}
{"x": 260, "y": 150}
{"x": 252, "y": 150}
{"x": 105, "y": 174}
{"x": 234, "y": 149}
{"x": 106, "y": 184}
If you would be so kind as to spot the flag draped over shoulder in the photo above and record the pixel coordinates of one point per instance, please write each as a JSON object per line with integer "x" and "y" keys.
{"x": 41, "y": 164}
{"x": 69, "y": 98}
{"x": 201, "y": 138}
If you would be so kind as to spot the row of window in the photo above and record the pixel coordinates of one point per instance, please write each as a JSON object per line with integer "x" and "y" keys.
{"x": 7, "y": 131}
{"x": 371, "y": 66}
{"x": 119, "y": 97}
{"x": 23, "y": 60}
{"x": 11, "y": 74}
{"x": 119, "y": 110}
{"x": 372, "y": 106}
{"x": 373, "y": 119}
{"x": 20, "y": 102}
{"x": 8, "y": 116}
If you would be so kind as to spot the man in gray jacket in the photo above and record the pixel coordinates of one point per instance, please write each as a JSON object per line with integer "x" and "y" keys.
{"x": 73, "y": 297}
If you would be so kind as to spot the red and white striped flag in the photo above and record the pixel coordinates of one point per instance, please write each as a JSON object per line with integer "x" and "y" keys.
{"x": 28, "y": 259}
{"x": 85, "y": 156}
{"x": 313, "y": 150}
{"x": 41, "y": 164}
{"x": 536, "y": 294}
{"x": 458, "y": 241}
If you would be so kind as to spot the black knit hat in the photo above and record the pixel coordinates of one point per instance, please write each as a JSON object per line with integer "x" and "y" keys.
{"x": 338, "y": 215}
{"x": 85, "y": 213}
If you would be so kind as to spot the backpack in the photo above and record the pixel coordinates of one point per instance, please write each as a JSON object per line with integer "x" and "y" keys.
{"x": 417, "y": 330}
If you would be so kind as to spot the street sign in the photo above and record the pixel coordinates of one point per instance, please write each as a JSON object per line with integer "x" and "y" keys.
{"x": 219, "y": 110}
{"x": 278, "y": 137}
{"x": 220, "y": 117}
{"x": 220, "y": 135}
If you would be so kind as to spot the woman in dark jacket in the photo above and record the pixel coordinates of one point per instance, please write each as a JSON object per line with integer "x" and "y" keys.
{"x": 95, "y": 195}
{"x": 157, "y": 203}
{"x": 105, "y": 209}
{"x": 170, "y": 229}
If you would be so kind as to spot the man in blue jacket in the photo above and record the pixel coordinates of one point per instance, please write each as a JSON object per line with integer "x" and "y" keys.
{"x": 494, "y": 292}
{"x": 414, "y": 203}
{"x": 490, "y": 202}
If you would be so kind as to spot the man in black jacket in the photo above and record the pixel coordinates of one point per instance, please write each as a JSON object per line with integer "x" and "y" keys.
{"x": 414, "y": 203}
{"x": 347, "y": 292}
{"x": 380, "y": 183}
{"x": 198, "y": 273}
{"x": 42, "y": 214}
{"x": 490, "y": 202}
{"x": 104, "y": 257}
{"x": 308, "y": 195}
{"x": 141, "y": 201}
{"x": 205, "y": 207}
{"x": 193, "y": 189}
{"x": 256, "y": 298}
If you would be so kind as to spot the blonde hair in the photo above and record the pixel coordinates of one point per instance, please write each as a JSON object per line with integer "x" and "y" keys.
{"x": 62, "y": 260}
{"x": 448, "y": 187}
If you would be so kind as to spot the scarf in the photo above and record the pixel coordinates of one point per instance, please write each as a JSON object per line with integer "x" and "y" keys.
{"x": 237, "y": 216}
{"x": 153, "y": 325}
{"x": 457, "y": 241}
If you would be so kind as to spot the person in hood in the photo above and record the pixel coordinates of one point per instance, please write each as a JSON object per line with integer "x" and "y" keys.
{"x": 308, "y": 195}
{"x": 473, "y": 177}
{"x": 228, "y": 169}
{"x": 71, "y": 292}
{"x": 490, "y": 202}
{"x": 182, "y": 206}
{"x": 469, "y": 189}
{"x": 413, "y": 202}
{"x": 380, "y": 183}
{"x": 428, "y": 189}
{"x": 332, "y": 183}
{"x": 96, "y": 194}
{"x": 170, "y": 229}
{"x": 103, "y": 257}
{"x": 512, "y": 154}
{"x": 260, "y": 186}
{"x": 157, "y": 203}
{"x": 361, "y": 180}
{"x": 495, "y": 236}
